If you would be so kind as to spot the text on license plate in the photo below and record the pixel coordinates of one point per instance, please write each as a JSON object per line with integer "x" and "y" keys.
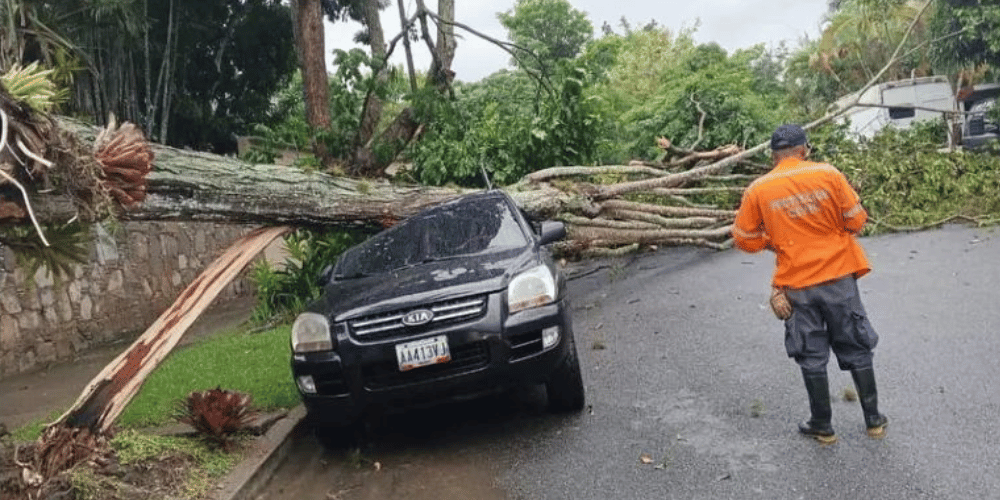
{"x": 423, "y": 352}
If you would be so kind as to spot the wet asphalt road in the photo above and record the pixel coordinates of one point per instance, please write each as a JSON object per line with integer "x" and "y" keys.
{"x": 690, "y": 394}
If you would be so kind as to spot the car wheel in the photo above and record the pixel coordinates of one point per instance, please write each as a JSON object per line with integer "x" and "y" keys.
{"x": 565, "y": 386}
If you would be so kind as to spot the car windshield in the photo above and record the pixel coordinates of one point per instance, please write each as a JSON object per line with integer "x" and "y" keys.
{"x": 469, "y": 226}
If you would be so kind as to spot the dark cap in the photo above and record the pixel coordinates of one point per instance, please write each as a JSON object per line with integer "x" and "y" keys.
{"x": 788, "y": 136}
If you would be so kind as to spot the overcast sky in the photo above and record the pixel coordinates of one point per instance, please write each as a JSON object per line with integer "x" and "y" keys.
{"x": 733, "y": 24}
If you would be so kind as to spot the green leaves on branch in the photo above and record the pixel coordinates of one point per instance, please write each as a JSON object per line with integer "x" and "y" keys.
{"x": 348, "y": 86}
{"x": 285, "y": 290}
{"x": 906, "y": 180}
{"x": 969, "y": 36}
{"x": 33, "y": 85}
{"x": 655, "y": 83}
{"x": 552, "y": 30}
{"x": 69, "y": 246}
{"x": 491, "y": 127}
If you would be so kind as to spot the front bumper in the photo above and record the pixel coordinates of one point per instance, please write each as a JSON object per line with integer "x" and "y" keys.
{"x": 490, "y": 354}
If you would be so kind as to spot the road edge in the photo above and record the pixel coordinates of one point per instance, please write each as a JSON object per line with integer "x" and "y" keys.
{"x": 268, "y": 452}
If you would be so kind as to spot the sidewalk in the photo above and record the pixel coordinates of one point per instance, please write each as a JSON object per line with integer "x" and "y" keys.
{"x": 38, "y": 395}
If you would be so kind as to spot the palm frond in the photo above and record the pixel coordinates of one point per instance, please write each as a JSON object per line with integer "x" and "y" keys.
{"x": 33, "y": 85}
{"x": 69, "y": 246}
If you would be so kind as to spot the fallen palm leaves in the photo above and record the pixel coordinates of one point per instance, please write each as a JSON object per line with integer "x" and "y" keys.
{"x": 218, "y": 415}
{"x": 125, "y": 158}
{"x": 40, "y": 160}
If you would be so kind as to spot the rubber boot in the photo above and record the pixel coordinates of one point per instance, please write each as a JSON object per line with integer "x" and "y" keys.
{"x": 818, "y": 426}
{"x": 864, "y": 380}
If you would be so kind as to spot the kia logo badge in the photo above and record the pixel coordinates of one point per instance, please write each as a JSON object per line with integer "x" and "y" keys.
{"x": 418, "y": 317}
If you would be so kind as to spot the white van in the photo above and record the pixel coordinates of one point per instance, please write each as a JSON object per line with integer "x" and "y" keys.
{"x": 899, "y": 103}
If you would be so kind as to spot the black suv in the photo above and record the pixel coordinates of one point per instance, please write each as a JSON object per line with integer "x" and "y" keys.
{"x": 460, "y": 300}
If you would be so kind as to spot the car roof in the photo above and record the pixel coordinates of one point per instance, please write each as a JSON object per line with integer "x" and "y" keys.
{"x": 478, "y": 196}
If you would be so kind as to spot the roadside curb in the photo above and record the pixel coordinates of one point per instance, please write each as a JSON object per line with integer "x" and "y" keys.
{"x": 243, "y": 482}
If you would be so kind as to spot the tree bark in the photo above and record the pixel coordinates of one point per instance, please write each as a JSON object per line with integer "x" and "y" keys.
{"x": 108, "y": 393}
{"x": 307, "y": 21}
{"x": 446, "y": 33}
{"x": 365, "y": 163}
{"x": 191, "y": 185}
{"x": 195, "y": 186}
{"x": 81, "y": 433}
{"x": 406, "y": 45}
{"x": 441, "y": 73}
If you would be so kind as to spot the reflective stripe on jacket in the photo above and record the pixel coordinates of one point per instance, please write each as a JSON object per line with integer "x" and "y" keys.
{"x": 808, "y": 215}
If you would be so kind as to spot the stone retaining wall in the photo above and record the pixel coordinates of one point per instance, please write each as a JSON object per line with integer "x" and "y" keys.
{"x": 135, "y": 272}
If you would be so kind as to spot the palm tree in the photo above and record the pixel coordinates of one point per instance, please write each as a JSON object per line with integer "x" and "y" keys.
{"x": 861, "y": 38}
{"x": 29, "y": 32}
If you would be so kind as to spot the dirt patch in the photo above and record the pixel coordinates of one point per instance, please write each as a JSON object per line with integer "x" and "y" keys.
{"x": 103, "y": 478}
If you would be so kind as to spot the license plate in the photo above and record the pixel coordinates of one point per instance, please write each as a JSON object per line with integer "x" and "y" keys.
{"x": 423, "y": 352}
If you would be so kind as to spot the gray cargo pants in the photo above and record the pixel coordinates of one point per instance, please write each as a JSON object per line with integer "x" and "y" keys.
{"x": 829, "y": 316}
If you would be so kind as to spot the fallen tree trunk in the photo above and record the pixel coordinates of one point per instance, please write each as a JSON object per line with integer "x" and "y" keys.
{"x": 608, "y": 210}
{"x": 604, "y": 220}
{"x": 194, "y": 186}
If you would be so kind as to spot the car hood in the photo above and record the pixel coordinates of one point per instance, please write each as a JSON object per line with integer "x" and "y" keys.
{"x": 423, "y": 283}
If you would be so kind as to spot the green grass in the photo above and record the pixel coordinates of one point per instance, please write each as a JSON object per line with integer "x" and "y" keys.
{"x": 31, "y": 430}
{"x": 133, "y": 446}
{"x": 255, "y": 363}
{"x": 203, "y": 465}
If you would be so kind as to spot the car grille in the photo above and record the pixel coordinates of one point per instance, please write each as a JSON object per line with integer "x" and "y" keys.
{"x": 525, "y": 345}
{"x": 464, "y": 359}
{"x": 977, "y": 125}
{"x": 390, "y": 325}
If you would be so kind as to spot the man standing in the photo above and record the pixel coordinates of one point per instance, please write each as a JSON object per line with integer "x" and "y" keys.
{"x": 808, "y": 215}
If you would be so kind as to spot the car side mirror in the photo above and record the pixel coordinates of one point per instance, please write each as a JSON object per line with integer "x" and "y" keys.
{"x": 552, "y": 231}
{"x": 324, "y": 276}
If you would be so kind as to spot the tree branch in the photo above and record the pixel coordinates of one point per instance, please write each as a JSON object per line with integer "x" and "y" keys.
{"x": 506, "y": 47}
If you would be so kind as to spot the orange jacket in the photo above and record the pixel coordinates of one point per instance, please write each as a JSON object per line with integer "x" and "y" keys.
{"x": 808, "y": 215}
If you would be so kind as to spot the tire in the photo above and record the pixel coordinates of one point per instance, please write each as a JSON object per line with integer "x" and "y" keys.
{"x": 565, "y": 386}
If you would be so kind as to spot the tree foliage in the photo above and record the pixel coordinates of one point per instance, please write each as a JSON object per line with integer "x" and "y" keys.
{"x": 698, "y": 96}
{"x": 862, "y": 36}
{"x": 550, "y": 30}
{"x": 509, "y": 127}
{"x": 285, "y": 290}
{"x": 968, "y": 34}
{"x": 237, "y": 54}
{"x": 192, "y": 73}
{"x": 906, "y": 180}
{"x": 348, "y": 85}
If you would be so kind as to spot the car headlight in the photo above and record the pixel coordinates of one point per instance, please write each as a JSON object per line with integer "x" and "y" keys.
{"x": 311, "y": 332}
{"x": 532, "y": 288}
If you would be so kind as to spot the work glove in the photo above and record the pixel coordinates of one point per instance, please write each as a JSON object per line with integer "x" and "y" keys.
{"x": 780, "y": 304}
